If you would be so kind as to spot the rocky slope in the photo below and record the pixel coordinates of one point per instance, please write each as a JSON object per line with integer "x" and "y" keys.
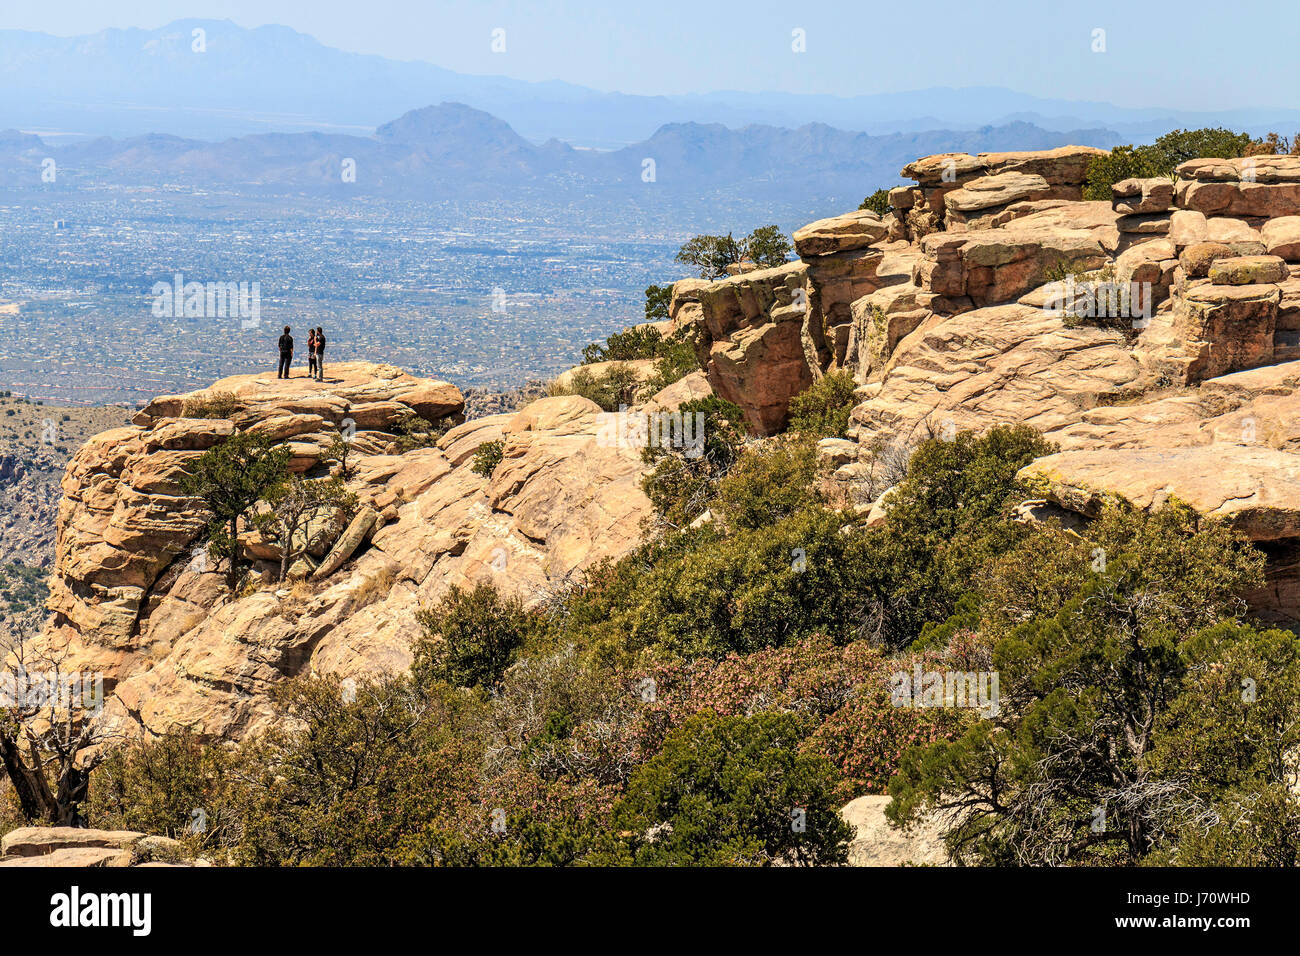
{"x": 133, "y": 596}
{"x": 36, "y": 443}
{"x": 968, "y": 306}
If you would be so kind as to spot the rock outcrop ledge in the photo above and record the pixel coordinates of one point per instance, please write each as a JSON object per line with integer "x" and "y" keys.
{"x": 134, "y": 597}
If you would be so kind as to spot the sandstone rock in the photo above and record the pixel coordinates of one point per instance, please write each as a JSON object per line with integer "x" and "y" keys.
{"x": 1064, "y": 165}
{"x": 1247, "y": 270}
{"x": 40, "y": 841}
{"x": 461, "y": 443}
{"x": 686, "y": 292}
{"x": 999, "y": 190}
{"x": 360, "y": 528}
{"x": 1262, "y": 169}
{"x": 1282, "y": 237}
{"x": 761, "y": 369}
{"x": 78, "y": 857}
{"x": 1136, "y": 196}
{"x": 1197, "y": 258}
{"x": 78, "y": 847}
{"x": 432, "y": 400}
{"x": 693, "y": 386}
{"x": 1256, "y": 490}
{"x": 1144, "y": 224}
{"x": 376, "y": 416}
{"x": 1235, "y": 233}
{"x": 902, "y": 197}
{"x": 1000, "y": 265}
{"x": 177, "y": 650}
{"x": 836, "y": 451}
{"x": 853, "y": 230}
{"x": 556, "y": 412}
{"x": 1009, "y": 363}
{"x": 762, "y": 334}
{"x": 1227, "y": 327}
{"x": 877, "y": 842}
{"x": 1267, "y": 200}
{"x": 944, "y": 168}
{"x": 1187, "y": 228}
{"x": 191, "y": 434}
{"x": 164, "y": 406}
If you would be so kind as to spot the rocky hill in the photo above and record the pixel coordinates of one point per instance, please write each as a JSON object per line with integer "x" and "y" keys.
{"x": 971, "y": 304}
{"x": 133, "y": 596}
{"x": 36, "y": 443}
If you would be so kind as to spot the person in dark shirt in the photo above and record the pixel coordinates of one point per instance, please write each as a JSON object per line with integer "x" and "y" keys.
{"x": 319, "y": 348}
{"x": 311, "y": 353}
{"x": 286, "y": 354}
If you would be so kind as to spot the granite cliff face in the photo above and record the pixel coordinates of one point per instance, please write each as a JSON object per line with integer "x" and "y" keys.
{"x": 975, "y": 302}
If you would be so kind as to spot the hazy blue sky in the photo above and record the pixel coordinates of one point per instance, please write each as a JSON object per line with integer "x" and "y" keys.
{"x": 1190, "y": 54}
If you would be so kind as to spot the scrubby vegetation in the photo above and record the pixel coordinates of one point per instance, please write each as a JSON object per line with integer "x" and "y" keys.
{"x": 878, "y": 202}
{"x": 1163, "y": 156}
{"x": 717, "y": 695}
{"x": 487, "y": 457}
{"x": 822, "y": 410}
{"x": 675, "y": 354}
{"x": 610, "y": 389}
{"x": 217, "y": 405}
{"x": 711, "y": 255}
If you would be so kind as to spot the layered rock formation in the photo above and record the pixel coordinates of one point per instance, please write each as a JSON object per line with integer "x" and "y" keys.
{"x": 1155, "y": 336}
{"x": 134, "y": 597}
{"x": 1185, "y": 390}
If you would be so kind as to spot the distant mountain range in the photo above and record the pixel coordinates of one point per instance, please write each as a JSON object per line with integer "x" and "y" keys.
{"x": 125, "y": 83}
{"x": 454, "y": 150}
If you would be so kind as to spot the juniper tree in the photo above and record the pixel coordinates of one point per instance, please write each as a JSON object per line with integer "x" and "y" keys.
{"x": 231, "y": 478}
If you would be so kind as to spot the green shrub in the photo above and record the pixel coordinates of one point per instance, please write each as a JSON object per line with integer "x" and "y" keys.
{"x": 374, "y": 774}
{"x": 176, "y": 786}
{"x": 822, "y": 410}
{"x": 217, "y": 405}
{"x": 711, "y": 255}
{"x": 639, "y": 342}
{"x": 470, "y": 637}
{"x": 768, "y": 484}
{"x": 1161, "y": 158}
{"x": 1105, "y": 651}
{"x": 731, "y": 791}
{"x": 658, "y": 298}
{"x": 878, "y": 202}
{"x": 681, "y": 487}
{"x": 612, "y": 389}
{"x": 675, "y": 354}
{"x": 487, "y": 457}
{"x": 677, "y": 359}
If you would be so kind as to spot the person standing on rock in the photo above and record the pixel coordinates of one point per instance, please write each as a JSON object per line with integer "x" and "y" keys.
{"x": 311, "y": 353}
{"x": 319, "y": 347}
{"x": 286, "y": 354}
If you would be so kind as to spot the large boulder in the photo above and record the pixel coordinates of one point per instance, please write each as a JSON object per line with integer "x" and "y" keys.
{"x": 853, "y": 230}
{"x": 1255, "y": 489}
{"x": 1282, "y": 237}
{"x": 877, "y": 842}
{"x": 1247, "y": 270}
{"x": 1137, "y": 196}
{"x": 1226, "y": 328}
